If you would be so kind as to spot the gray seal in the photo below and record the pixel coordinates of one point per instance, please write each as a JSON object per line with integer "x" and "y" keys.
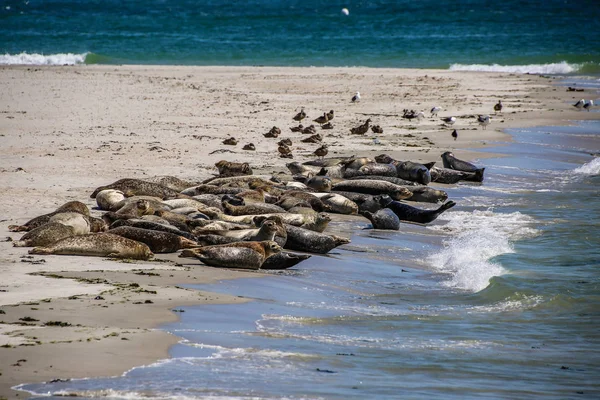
{"x": 413, "y": 214}
{"x": 413, "y": 171}
{"x": 454, "y": 163}
{"x": 374, "y": 187}
{"x": 426, "y": 194}
{"x": 383, "y": 219}
{"x": 157, "y": 241}
{"x": 284, "y": 260}
{"x": 136, "y": 187}
{"x": 243, "y": 255}
{"x": 252, "y": 209}
{"x": 450, "y": 176}
{"x": 139, "y": 223}
{"x": 302, "y": 239}
{"x": 98, "y": 245}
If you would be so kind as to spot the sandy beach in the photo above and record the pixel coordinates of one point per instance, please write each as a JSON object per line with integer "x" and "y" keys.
{"x": 66, "y": 130}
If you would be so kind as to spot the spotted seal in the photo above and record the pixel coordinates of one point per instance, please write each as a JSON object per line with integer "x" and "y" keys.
{"x": 450, "y": 176}
{"x": 243, "y": 255}
{"x": 319, "y": 183}
{"x": 452, "y": 162}
{"x": 228, "y": 168}
{"x": 302, "y": 239}
{"x": 266, "y": 231}
{"x": 380, "y": 169}
{"x": 171, "y": 182}
{"x": 71, "y": 206}
{"x": 139, "y": 223}
{"x": 426, "y": 194}
{"x": 157, "y": 241}
{"x": 391, "y": 179}
{"x": 99, "y": 245}
{"x": 251, "y": 209}
{"x": 136, "y": 187}
{"x": 374, "y": 187}
{"x": 413, "y": 214}
{"x": 413, "y": 171}
{"x": 211, "y": 189}
{"x": 337, "y": 203}
{"x": 45, "y": 235}
{"x": 383, "y": 219}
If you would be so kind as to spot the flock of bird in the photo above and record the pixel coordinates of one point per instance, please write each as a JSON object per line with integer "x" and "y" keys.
{"x": 583, "y": 104}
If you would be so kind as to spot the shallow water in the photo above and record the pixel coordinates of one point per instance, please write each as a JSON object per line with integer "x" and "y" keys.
{"x": 498, "y": 298}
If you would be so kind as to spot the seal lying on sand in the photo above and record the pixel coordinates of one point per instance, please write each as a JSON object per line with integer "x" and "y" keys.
{"x": 374, "y": 187}
{"x": 98, "y": 245}
{"x": 136, "y": 187}
{"x": 71, "y": 206}
{"x": 302, "y": 239}
{"x": 383, "y": 219}
{"x": 158, "y": 242}
{"x": 244, "y": 255}
{"x": 413, "y": 171}
{"x": 413, "y": 214}
{"x": 425, "y": 194}
{"x": 45, "y": 235}
{"x": 227, "y": 168}
{"x": 454, "y": 163}
{"x": 139, "y": 223}
{"x": 171, "y": 182}
{"x": 447, "y": 175}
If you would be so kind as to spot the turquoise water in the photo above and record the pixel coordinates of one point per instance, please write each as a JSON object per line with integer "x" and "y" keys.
{"x": 499, "y": 298}
{"x": 549, "y": 37}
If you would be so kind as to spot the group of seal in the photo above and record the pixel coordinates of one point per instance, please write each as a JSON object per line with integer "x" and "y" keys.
{"x": 240, "y": 220}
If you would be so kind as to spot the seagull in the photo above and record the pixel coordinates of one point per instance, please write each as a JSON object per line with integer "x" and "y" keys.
{"x": 454, "y": 134}
{"x": 420, "y": 116}
{"x": 498, "y": 107}
{"x": 589, "y": 105}
{"x": 435, "y": 110}
{"x": 356, "y": 97}
{"x": 449, "y": 120}
{"x": 300, "y": 116}
{"x": 579, "y": 104}
{"x": 484, "y": 120}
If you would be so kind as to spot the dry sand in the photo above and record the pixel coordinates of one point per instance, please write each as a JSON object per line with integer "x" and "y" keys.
{"x": 66, "y": 130}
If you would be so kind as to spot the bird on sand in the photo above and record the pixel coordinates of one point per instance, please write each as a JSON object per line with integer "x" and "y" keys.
{"x": 454, "y": 134}
{"x": 300, "y": 116}
{"x": 579, "y": 104}
{"x": 356, "y": 97}
{"x": 322, "y": 119}
{"x": 321, "y": 151}
{"x": 498, "y": 106}
{"x": 589, "y": 105}
{"x": 435, "y": 110}
{"x": 284, "y": 151}
{"x": 449, "y": 120}
{"x": 484, "y": 120}
{"x": 330, "y": 115}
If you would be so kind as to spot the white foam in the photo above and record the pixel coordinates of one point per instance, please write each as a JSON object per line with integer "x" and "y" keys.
{"x": 591, "y": 168}
{"x": 41, "y": 59}
{"x": 477, "y": 237}
{"x": 562, "y": 67}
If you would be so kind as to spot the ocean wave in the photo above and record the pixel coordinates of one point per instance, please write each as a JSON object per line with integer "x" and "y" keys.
{"x": 41, "y": 59}
{"x": 562, "y": 67}
{"x": 591, "y": 168}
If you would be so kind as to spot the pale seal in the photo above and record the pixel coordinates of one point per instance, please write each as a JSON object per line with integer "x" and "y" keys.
{"x": 337, "y": 203}
{"x": 71, "y": 206}
{"x": 79, "y": 222}
{"x": 98, "y": 245}
{"x": 383, "y": 219}
{"x": 157, "y": 241}
{"x": 413, "y": 214}
{"x": 106, "y": 199}
{"x": 243, "y": 255}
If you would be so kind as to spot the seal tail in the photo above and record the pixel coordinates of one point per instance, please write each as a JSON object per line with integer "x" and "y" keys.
{"x": 40, "y": 250}
{"x": 445, "y": 207}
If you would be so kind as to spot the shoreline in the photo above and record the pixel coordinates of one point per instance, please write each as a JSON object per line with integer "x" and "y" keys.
{"x": 93, "y": 127}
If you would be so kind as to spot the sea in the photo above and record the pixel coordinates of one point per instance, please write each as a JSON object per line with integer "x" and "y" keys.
{"x": 499, "y": 298}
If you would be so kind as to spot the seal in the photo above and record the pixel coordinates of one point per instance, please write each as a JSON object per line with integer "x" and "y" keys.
{"x": 425, "y": 194}
{"x": 107, "y": 199}
{"x": 171, "y": 182}
{"x": 79, "y": 222}
{"x": 45, "y": 235}
{"x": 283, "y": 260}
{"x": 378, "y": 169}
{"x": 450, "y": 176}
{"x": 319, "y": 183}
{"x": 391, "y": 179}
{"x": 413, "y": 214}
{"x": 211, "y": 189}
{"x": 266, "y": 231}
{"x": 337, "y": 203}
{"x": 153, "y": 204}
{"x": 74, "y": 206}
{"x": 243, "y": 255}
{"x": 289, "y": 218}
{"x": 315, "y": 202}
{"x": 251, "y": 209}
{"x": 136, "y": 187}
{"x": 374, "y": 187}
{"x": 158, "y": 242}
{"x": 228, "y": 168}
{"x": 412, "y": 171}
{"x": 302, "y": 239}
{"x": 99, "y": 245}
{"x": 383, "y": 219}
{"x": 452, "y": 162}
{"x": 139, "y": 223}
{"x": 177, "y": 220}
